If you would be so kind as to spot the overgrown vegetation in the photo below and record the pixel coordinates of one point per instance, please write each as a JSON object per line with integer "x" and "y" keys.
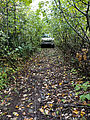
{"x": 21, "y": 30}
{"x": 20, "y": 35}
{"x": 68, "y": 22}
{"x": 71, "y": 27}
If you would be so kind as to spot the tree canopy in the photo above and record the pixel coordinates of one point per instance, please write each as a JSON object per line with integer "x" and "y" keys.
{"x": 67, "y": 21}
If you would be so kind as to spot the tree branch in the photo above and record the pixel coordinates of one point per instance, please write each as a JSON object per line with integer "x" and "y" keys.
{"x": 88, "y": 17}
{"x": 84, "y": 31}
{"x": 56, "y": 3}
{"x": 78, "y": 9}
{"x": 83, "y": 2}
{"x": 68, "y": 21}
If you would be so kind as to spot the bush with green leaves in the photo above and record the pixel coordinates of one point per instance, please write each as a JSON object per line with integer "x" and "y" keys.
{"x": 22, "y": 29}
{"x": 20, "y": 33}
{"x": 69, "y": 24}
{"x": 6, "y": 74}
{"x": 85, "y": 86}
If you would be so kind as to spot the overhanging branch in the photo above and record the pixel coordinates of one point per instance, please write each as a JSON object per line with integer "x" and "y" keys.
{"x": 83, "y": 2}
{"x": 60, "y": 8}
{"x": 78, "y": 8}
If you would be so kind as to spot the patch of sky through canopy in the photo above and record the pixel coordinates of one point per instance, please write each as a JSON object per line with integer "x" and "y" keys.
{"x": 34, "y": 3}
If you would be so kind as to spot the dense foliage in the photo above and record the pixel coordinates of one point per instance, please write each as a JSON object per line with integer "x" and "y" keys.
{"x": 68, "y": 23}
{"x": 70, "y": 27}
{"x": 20, "y": 33}
{"x": 21, "y": 29}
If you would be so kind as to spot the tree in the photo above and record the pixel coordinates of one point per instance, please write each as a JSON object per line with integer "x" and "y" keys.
{"x": 74, "y": 10}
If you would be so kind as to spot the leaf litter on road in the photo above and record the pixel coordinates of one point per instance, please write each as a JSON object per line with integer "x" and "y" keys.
{"x": 44, "y": 91}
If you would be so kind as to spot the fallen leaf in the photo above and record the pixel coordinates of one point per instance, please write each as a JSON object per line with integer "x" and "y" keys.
{"x": 15, "y": 113}
{"x": 76, "y": 96}
{"x": 59, "y": 100}
{"x": 84, "y": 103}
{"x": 45, "y": 106}
{"x": 26, "y": 98}
{"x": 17, "y": 107}
{"x": 75, "y": 112}
{"x": 9, "y": 116}
{"x": 63, "y": 95}
{"x": 31, "y": 119}
{"x": 53, "y": 86}
{"x": 48, "y": 93}
{"x": 24, "y": 113}
{"x": 53, "y": 114}
{"x": 50, "y": 105}
{"x": 22, "y": 107}
{"x": 42, "y": 110}
{"x": 28, "y": 119}
{"x": 82, "y": 113}
{"x": 60, "y": 83}
{"x": 29, "y": 105}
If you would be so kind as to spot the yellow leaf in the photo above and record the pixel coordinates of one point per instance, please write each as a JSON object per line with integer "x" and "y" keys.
{"x": 80, "y": 58}
{"x": 17, "y": 107}
{"x": 50, "y": 105}
{"x": 84, "y": 57}
{"x": 77, "y": 55}
{"x": 17, "y": 115}
{"x": 28, "y": 106}
{"x": 53, "y": 86}
{"x": 74, "y": 102}
{"x": 45, "y": 106}
{"x": 76, "y": 96}
{"x": 48, "y": 93}
{"x": 75, "y": 111}
{"x": 22, "y": 107}
{"x": 64, "y": 72}
{"x": 82, "y": 113}
{"x": 84, "y": 103}
{"x": 63, "y": 95}
{"x": 84, "y": 50}
{"x": 26, "y": 98}
{"x": 31, "y": 119}
{"x": 48, "y": 72}
{"x": 42, "y": 110}
{"x": 28, "y": 119}
{"x": 60, "y": 83}
{"x": 47, "y": 86}
{"x": 79, "y": 82}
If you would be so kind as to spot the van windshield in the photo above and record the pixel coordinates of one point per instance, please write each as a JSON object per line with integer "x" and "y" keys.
{"x": 45, "y": 36}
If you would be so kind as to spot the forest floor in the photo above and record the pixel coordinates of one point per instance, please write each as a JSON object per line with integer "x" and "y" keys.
{"x": 43, "y": 91}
